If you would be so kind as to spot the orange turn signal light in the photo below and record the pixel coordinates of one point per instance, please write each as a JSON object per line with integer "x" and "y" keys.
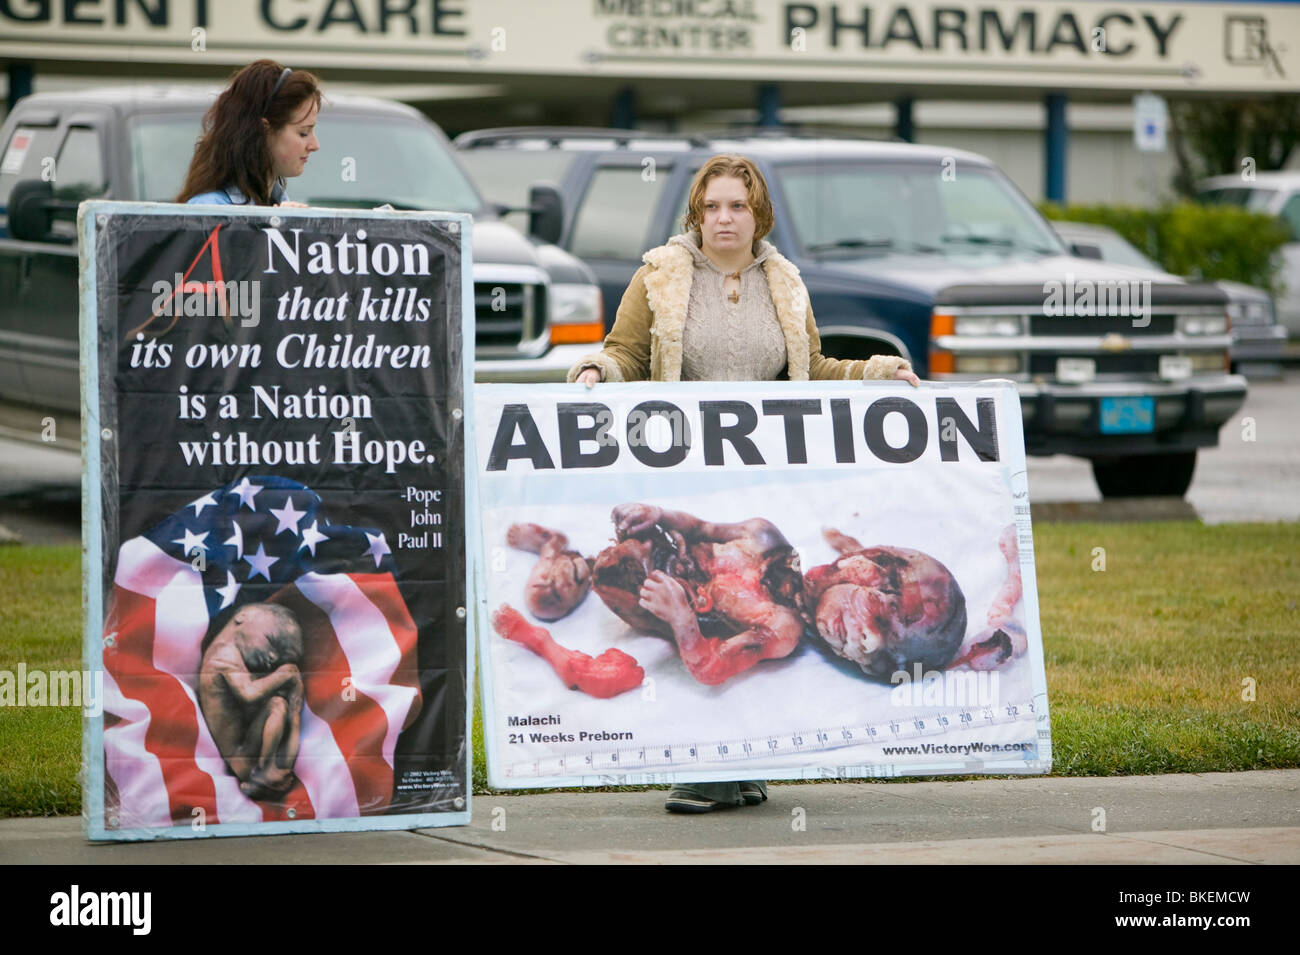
{"x": 577, "y": 333}
{"x": 941, "y": 362}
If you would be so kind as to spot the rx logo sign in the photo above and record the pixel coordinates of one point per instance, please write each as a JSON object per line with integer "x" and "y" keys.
{"x": 1245, "y": 43}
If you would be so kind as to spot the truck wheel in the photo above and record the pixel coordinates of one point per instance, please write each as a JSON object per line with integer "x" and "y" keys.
{"x": 1145, "y": 475}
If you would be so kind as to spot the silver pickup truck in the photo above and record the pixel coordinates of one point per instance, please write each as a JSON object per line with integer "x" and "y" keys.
{"x": 537, "y": 307}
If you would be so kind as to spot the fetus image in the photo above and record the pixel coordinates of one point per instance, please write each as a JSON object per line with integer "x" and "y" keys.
{"x": 729, "y": 595}
{"x": 889, "y": 608}
{"x": 561, "y": 577}
{"x": 1003, "y": 638}
{"x": 611, "y": 673}
{"x": 251, "y": 694}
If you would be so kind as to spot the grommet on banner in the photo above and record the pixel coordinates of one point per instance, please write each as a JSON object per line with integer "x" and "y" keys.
{"x": 106, "y": 433}
{"x": 274, "y": 222}
{"x": 101, "y": 220}
{"x": 291, "y": 813}
{"x": 457, "y": 414}
{"x": 453, "y": 227}
{"x": 460, "y": 613}
{"x": 110, "y": 640}
{"x": 458, "y": 802}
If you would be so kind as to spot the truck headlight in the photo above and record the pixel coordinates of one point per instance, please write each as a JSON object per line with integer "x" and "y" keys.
{"x": 577, "y": 314}
{"x": 1203, "y": 324}
{"x": 989, "y": 325}
{"x": 996, "y": 364}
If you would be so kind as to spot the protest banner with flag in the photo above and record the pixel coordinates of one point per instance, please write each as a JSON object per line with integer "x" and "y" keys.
{"x": 175, "y": 581}
{"x": 275, "y": 496}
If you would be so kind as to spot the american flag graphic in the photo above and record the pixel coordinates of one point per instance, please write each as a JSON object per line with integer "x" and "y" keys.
{"x": 261, "y": 539}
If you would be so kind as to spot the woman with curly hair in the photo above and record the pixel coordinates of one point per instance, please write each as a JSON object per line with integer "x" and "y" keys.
{"x": 260, "y": 132}
{"x": 717, "y": 303}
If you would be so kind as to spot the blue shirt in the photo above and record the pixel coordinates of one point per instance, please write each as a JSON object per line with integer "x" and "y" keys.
{"x": 231, "y": 196}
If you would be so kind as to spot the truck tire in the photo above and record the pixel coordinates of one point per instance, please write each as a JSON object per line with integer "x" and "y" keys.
{"x": 1145, "y": 475}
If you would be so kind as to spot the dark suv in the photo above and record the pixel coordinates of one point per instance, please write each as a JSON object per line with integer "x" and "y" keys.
{"x": 924, "y": 252}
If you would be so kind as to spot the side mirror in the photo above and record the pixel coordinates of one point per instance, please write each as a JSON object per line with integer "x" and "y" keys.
{"x": 545, "y": 213}
{"x": 1084, "y": 251}
{"x": 31, "y": 210}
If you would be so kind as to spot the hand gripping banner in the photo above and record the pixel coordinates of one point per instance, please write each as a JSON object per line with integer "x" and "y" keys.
{"x": 275, "y": 499}
{"x": 745, "y": 581}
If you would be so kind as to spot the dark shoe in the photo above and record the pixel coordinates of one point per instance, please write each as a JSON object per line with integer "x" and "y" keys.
{"x": 753, "y": 793}
{"x": 688, "y": 800}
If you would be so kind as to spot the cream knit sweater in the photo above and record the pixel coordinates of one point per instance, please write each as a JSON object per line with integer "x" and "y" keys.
{"x": 646, "y": 342}
{"x": 726, "y": 341}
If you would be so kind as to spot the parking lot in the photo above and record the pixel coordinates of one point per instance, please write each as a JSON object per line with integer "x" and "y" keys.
{"x": 1254, "y": 475}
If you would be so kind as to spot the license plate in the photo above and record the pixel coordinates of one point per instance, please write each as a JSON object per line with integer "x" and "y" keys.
{"x": 1175, "y": 367}
{"x": 1075, "y": 371}
{"x": 1128, "y": 415}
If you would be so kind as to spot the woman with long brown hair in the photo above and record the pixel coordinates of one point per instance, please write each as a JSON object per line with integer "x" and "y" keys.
{"x": 258, "y": 133}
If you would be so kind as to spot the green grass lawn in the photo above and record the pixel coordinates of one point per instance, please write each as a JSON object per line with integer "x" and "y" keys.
{"x": 40, "y": 625}
{"x": 1146, "y": 659}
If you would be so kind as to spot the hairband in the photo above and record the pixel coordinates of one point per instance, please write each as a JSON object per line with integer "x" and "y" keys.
{"x": 275, "y": 89}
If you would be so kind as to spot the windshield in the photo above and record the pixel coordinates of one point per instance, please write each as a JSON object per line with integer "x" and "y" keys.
{"x": 909, "y": 207}
{"x": 363, "y": 162}
{"x": 1252, "y": 200}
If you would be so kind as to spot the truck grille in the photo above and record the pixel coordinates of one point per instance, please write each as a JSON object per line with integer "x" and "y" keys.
{"x": 508, "y": 314}
{"x": 1131, "y": 363}
{"x": 1099, "y": 325}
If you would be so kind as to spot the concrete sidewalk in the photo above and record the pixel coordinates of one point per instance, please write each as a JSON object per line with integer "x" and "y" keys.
{"x": 1218, "y": 818}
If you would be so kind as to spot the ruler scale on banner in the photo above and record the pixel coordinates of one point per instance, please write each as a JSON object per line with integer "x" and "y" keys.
{"x": 670, "y": 757}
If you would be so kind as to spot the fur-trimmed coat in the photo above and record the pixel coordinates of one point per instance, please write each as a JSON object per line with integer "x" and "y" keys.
{"x": 646, "y": 340}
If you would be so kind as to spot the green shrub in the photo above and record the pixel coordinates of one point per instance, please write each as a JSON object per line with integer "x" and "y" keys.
{"x": 1208, "y": 243}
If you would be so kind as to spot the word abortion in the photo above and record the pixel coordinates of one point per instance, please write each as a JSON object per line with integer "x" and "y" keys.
{"x": 586, "y": 438}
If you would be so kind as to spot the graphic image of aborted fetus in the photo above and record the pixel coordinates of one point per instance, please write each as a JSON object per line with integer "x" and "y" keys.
{"x": 251, "y": 695}
{"x": 728, "y": 594}
{"x": 604, "y": 676}
{"x": 886, "y": 608}
{"x": 1004, "y": 638}
{"x": 560, "y": 579}
{"x": 891, "y": 608}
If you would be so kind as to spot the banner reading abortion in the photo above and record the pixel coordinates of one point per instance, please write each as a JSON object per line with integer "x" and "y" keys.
{"x": 275, "y": 522}
{"x": 754, "y": 581}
